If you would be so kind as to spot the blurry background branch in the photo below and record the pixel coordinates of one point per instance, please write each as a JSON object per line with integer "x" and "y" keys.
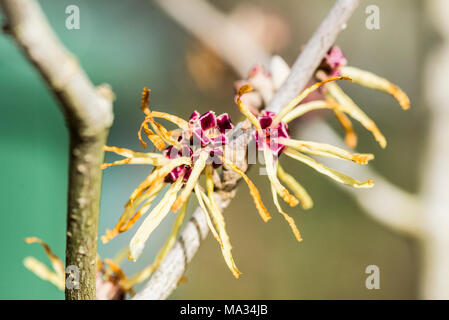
{"x": 435, "y": 173}
{"x": 88, "y": 113}
{"x": 215, "y": 36}
{"x": 214, "y": 29}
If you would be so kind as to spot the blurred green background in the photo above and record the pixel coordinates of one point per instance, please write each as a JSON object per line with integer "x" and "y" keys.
{"x": 132, "y": 44}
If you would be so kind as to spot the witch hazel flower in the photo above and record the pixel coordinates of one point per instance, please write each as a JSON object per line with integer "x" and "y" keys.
{"x": 273, "y": 138}
{"x": 335, "y": 64}
{"x": 195, "y": 148}
{"x": 270, "y": 135}
{"x": 333, "y": 61}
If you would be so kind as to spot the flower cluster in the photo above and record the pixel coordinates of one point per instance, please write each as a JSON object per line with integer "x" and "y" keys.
{"x": 273, "y": 138}
{"x": 198, "y": 147}
{"x": 336, "y": 64}
{"x": 205, "y": 132}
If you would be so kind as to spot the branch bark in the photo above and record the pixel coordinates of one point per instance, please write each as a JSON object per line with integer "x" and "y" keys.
{"x": 88, "y": 114}
{"x": 309, "y": 59}
{"x": 206, "y": 28}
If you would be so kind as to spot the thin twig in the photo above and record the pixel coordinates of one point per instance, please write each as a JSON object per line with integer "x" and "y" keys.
{"x": 168, "y": 275}
{"x": 88, "y": 113}
{"x": 309, "y": 59}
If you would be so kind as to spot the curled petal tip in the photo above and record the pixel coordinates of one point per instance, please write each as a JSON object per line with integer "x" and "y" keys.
{"x": 366, "y": 184}
{"x": 290, "y": 199}
{"x": 351, "y": 140}
{"x": 362, "y": 158}
{"x": 135, "y": 250}
{"x": 244, "y": 89}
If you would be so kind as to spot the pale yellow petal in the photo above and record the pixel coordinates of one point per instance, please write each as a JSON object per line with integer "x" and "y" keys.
{"x": 169, "y": 243}
{"x": 146, "y": 191}
{"x": 252, "y": 189}
{"x": 153, "y": 219}
{"x": 307, "y": 107}
{"x": 157, "y": 141}
{"x": 350, "y": 135}
{"x": 348, "y": 106}
{"x": 373, "y": 81}
{"x": 326, "y": 150}
{"x": 292, "y": 104}
{"x": 271, "y": 171}
{"x": 132, "y": 154}
{"x": 172, "y": 118}
{"x": 220, "y": 224}
{"x": 159, "y": 174}
{"x": 156, "y": 161}
{"x": 201, "y": 199}
{"x": 139, "y": 213}
{"x": 43, "y": 272}
{"x": 197, "y": 169}
{"x": 337, "y": 176}
{"x": 296, "y": 187}
{"x": 289, "y": 219}
{"x": 244, "y": 109}
{"x": 56, "y": 263}
{"x": 160, "y": 130}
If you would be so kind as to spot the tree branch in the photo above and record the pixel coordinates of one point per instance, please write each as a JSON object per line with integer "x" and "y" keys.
{"x": 309, "y": 59}
{"x": 88, "y": 113}
{"x": 206, "y": 28}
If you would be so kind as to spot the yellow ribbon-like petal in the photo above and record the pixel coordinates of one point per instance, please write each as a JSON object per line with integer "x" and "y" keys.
{"x": 169, "y": 243}
{"x": 297, "y": 100}
{"x": 271, "y": 171}
{"x": 370, "y": 80}
{"x": 191, "y": 182}
{"x": 220, "y": 224}
{"x": 153, "y": 219}
{"x": 337, "y": 176}
{"x": 326, "y": 150}
{"x": 263, "y": 212}
{"x": 296, "y": 187}
{"x": 289, "y": 219}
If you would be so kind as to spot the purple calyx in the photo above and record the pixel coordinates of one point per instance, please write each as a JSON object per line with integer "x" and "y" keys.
{"x": 224, "y": 123}
{"x": 271, "y": 135}
{"x": 205, "y": 132}
{"x": 333, "y": 60}
{"x": 172, "y": 152}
